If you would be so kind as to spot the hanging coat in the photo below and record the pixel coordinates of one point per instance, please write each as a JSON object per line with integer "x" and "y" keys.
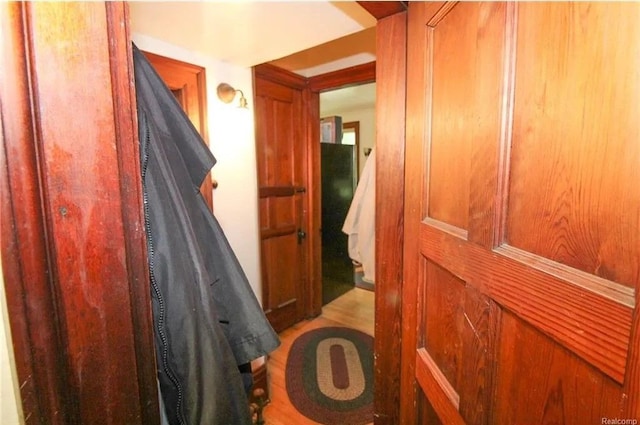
{"x": 207, "y": 321}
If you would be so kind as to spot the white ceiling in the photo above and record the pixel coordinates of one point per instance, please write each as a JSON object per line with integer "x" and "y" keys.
{"x": 309, "y": 37}
{"x": 247, "y": 33}
{"x": 347, "y": 99}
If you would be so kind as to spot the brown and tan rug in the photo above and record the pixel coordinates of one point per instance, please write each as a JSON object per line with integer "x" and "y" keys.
{"x": 329, "y": 376}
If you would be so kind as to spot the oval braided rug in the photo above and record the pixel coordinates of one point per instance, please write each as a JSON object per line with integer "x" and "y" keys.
{"x": 329, "y": 376}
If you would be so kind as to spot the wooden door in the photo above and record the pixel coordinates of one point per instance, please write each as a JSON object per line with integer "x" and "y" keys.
{"x": 187, "y": 82}
{"x": 282, "y": 187}
{"x": 522, "y": 213}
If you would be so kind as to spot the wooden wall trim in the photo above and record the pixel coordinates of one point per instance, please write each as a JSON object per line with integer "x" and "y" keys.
{"x": 382, "y": 9}
{"x": 126, "y": 123}
{"x": 73, "y": 244}
{"x": 278, "y": 75}
{"x": 439, "y": 391}
{"x": 390, "y": 184}
{"x": 311, "y": 106}
{"x": 354, "y": 75}
{"x": 38, "y": 348}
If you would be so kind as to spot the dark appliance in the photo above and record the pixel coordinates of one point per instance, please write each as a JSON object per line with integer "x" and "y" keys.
{"x": 338, "y": 172}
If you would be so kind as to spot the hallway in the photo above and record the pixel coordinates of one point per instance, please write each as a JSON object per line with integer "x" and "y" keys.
{"x": 355, "y": 309}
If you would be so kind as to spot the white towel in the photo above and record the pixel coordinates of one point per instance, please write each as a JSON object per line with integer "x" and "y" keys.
{"x": 361, "y": 220}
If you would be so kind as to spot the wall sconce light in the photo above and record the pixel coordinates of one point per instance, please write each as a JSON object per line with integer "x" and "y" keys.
{"x": 226, "y": 93}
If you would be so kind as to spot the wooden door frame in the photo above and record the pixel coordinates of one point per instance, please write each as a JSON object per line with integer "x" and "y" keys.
{"x": 69, "y": 369}
{"x": 355, "y": 126}
{"x": 390, "y": 77}
{"x": 355, "y": 75}
{"x": 179, "y": 75}
{"x": 389, "y": 73}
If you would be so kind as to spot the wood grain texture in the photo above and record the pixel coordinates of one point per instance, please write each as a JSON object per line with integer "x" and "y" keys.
{"x": 479, "y": 337}
{"x": 426, "y": 414}
{"x": 38, "y": 349}
{"x": 582, "y": 320}
{"x": 79, "y": 159}
{"x": 567, "y": 390}
{"x": 390, "y": 116}
{"x": 87, "y": 239}
{"x": 353, "y": 75}
{"x": 442, "y": 308}
{"x": 560, "y": 266}
{"x": 459, "y": 333}
{"x": 416, "y": 124}
{"x": 575, "y": 138}
{"x": 438, "y": 390}
{"x": 462, "y": 123}
{"x": 313, "y": 211}
{"x": 282, "y": 175}
{"x": 126, "y": 125}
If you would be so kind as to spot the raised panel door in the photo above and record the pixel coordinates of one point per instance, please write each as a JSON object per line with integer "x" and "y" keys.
{"x": 521, "y": 213}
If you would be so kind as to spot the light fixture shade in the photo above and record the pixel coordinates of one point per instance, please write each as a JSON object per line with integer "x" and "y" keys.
{"x": 226, "y": 93}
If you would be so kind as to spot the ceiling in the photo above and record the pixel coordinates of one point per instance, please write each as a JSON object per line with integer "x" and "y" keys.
{"x": 347, "y": 99}
{"x": 247, "y": 33}
{"x": 305, "y": 37}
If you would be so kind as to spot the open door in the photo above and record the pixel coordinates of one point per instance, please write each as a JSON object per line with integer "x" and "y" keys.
{"x": 281, "y": 150}
{"x": 522, "y": 249}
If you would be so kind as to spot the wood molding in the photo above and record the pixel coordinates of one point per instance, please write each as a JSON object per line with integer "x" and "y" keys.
{"x": 586, "y": 325}
{"x": 135, "y": 241}
{"x": 444, "y": 398}
{"x": 417, "y": 115}
{"x": 311, "y": 105}
{"x": 390, "y": 185}
{"x": 355, "y": 125}
{"x": 382, "y": 9}
{"x": 354, "y": 75}
{"x": 37, "y": 344}
{"x": 279, "y": 75}
{"x": 71, "y": 234}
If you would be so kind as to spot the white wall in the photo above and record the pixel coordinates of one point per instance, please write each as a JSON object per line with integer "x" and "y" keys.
{"x": 232, "y": 142}
{"x": 367, "y": 119}
{"x": 9, "y": 394}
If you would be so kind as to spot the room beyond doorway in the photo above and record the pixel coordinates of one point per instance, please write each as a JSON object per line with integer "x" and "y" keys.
{"x": 348, "y": 124}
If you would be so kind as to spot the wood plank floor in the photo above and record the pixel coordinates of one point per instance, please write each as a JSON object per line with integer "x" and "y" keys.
{"x": 355, "y": 309}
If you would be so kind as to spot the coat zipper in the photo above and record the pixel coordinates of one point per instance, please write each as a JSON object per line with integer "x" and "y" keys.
{"x": 154, "y": 284}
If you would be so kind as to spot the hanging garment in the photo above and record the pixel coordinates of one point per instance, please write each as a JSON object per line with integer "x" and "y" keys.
{"x": 207, "y": 321}
{"x": 360, "y": 223}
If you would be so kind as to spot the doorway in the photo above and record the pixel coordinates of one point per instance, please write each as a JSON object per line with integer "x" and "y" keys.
{"x": 348, "y": 115}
